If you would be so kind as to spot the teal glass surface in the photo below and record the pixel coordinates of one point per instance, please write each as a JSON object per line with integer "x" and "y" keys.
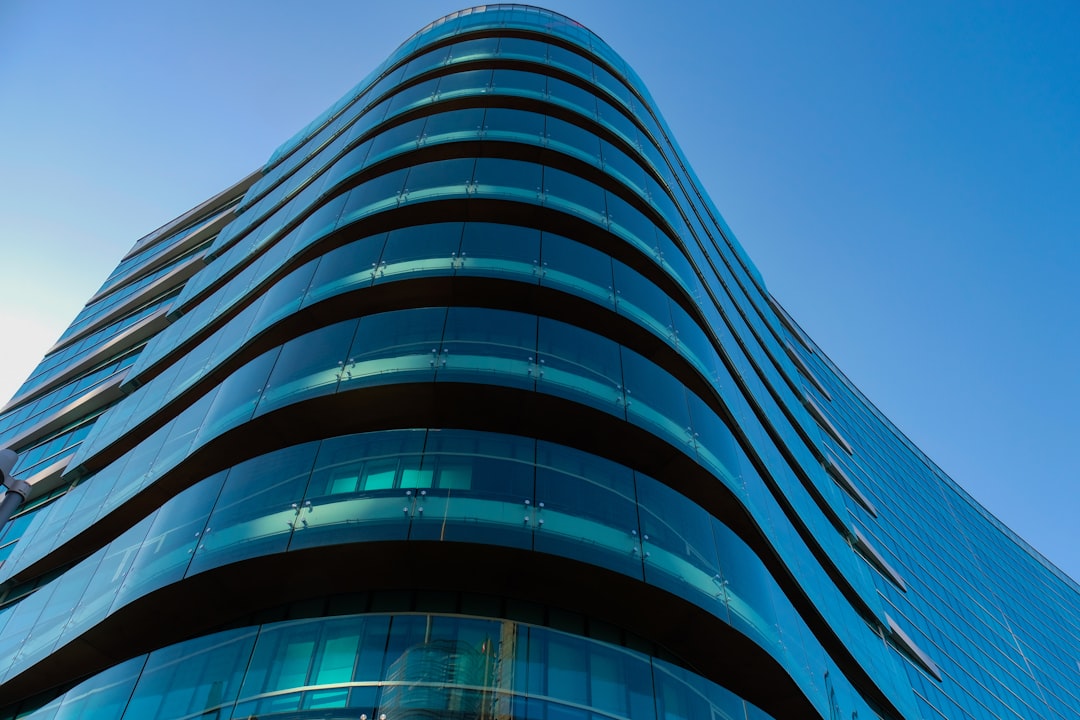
{"x": 194, "y": 679}
{"x": 438, "y": 180}
{"x": 495, "y": 250}
{"x": 475, "y": 487}
{"x": 237, "y": 397}
{"x": 362, "y": 488}
{"x": 345, "y": 269}
{"x": 392, "y": 347}
{"x": 171, "y": 540}
{"x": 257, "y": 509}
{"x": 580, "y": 366}
{"x": 589, "y": 509}
{"x": 308, "y": 366}
{"x": 496, "y": 345}
{"x": 576, "y": 268}
{"x": 420, "y": 250}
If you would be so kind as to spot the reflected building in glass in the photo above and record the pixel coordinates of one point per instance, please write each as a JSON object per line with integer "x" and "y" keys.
{"x": 469, "y": 405}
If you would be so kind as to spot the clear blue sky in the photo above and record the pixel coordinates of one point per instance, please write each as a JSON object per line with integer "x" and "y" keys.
{"x": 905, "y": 175}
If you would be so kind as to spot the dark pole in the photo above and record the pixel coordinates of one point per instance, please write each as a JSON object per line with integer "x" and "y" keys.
{"x": 17, "y": 490}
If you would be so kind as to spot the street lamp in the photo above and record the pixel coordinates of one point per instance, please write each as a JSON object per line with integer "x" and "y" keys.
{"x": 17, "y": 490}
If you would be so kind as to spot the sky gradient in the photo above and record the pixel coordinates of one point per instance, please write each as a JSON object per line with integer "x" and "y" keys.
{"x": 905, "y": 176}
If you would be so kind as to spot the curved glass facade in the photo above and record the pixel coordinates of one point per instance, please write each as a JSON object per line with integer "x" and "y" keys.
{"x": 469, "y": 405}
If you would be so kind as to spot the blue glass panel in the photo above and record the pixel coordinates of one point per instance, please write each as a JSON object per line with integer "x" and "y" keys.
{"x": 519, "y": 83}
{"x": 419, "y": 250}
{"x": 464, "y": 84}
{"x": 573, "y": 97}
{"x": 680, "y": 552}
{"x": 639, "y": 299}
{"x": 507, "y": 179}
{"x": 236, "y": 397}
{"x": 475, "y": 487}
{"x": 104, "y": 696}
{"x": 193, "y": 679}
{"x": 392, "y": 347}
{"x": 580, "y": 365}
{"x": 428, "y": 61}
{"x": 257, "y": 510}
{"x": 573, "y": 140}
{"x": 494, "y": 250}
{"x": 514, "y": 125}
{"x": 171, "y": 540}
{"x": 358, "y": 489}
{"x": 488, "y": 346}
{"x": 475, "y": 49}
{"x": 345, "y": 269}
{"x": 283, "y": 298}
{"x": 444, "y": 179}
{"x": 373, "y": 196}
{"x": 523, "y": 48}
{"x": 588, "y": 508}
{"x": 624, "y": 168}
{"x": 308, "y": 366}
{"x": 570, "y": 193}
{"x": 565, "y": 59}
{"x": 409, "y": 99}
{"x": 395, "y": 141}
{"x": 576, "y": 268}
{"x": 656, "y": 401}
{"x": 748, "y": 587}
{"x": 454, "y": 126}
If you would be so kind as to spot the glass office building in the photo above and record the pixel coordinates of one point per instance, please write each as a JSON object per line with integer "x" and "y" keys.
{"x": 469, "y": 405}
